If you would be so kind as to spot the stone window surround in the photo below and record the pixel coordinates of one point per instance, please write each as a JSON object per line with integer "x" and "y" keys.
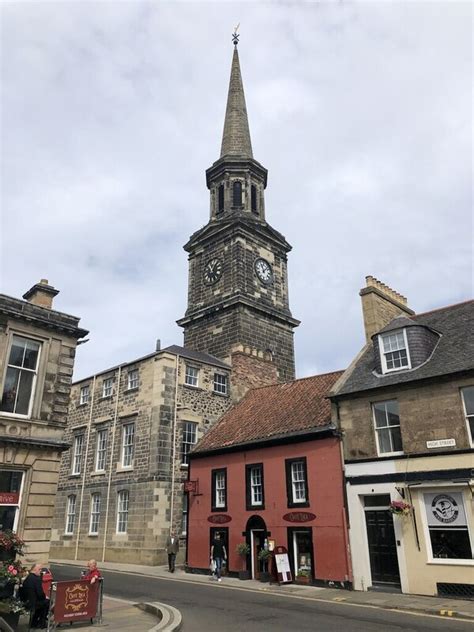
{"x": 94, "y": 519}
{"x": 190, "y": 376}
{"x": 70, "y": 514}
{"x": 133, "y": 382}
{"x": 77, "y": 455}
{"x": 224, "y": 384}
{"x": 107, "y": 387}
{"x": 189, "y": 430}
{"x": 379, "y": 452}
{"x": 84, "y": 395}
{"x": 383, "y": 359}
{"x": 123, "y": 503}
{"x": 127, "y": 445}
{"x": 39, "y": 371}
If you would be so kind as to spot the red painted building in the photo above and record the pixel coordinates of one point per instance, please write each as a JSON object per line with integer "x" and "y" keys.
{"x": 269, "y": 473}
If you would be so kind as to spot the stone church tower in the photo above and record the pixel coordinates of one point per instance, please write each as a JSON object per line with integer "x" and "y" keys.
{"x": 238, "y": 281}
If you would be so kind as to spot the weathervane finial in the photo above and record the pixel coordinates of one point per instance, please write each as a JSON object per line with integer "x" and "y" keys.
{"x": 235, "y": 35}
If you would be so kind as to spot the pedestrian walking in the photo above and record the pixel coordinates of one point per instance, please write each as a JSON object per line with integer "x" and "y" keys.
{"x": 218, "y": 555}
{"x": 172, "y": 548}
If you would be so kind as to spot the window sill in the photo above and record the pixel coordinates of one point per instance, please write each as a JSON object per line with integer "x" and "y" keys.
{"x": 448, "y": 562}
{"x": 184, "y": 466}
{"x": 218, "y": 509}
{"x": 75, "y": 475}
{"x": 101, "y": 399}
{"x": 99, "y": 473}
{"x": 14, "y": 415}
{"x": 82, "y": 405}
{"x": 121, "y": 468}
{"x": 390, "y": 454}
{"x": 220, "y": 394}
{"x": 130, "y": 390}
{"x": 195, "y": 388}
{"x": 296, "y": 505}
{"x": 92, "y": 535}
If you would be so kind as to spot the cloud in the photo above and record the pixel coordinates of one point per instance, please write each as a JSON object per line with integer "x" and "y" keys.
{"x": 111, "y": 112}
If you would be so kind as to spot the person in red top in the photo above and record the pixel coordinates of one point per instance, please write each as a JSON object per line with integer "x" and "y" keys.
{"x": 93, "y": 574}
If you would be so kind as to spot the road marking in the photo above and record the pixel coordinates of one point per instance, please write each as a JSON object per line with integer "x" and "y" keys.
{"x": 279, "y": 594}
{"x": 447, "y": 613}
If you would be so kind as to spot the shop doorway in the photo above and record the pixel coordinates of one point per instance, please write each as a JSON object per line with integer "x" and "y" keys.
{"x": 257, "y": 534}
{"x": 381, "y": 540}
{"x": 300, "y": 547}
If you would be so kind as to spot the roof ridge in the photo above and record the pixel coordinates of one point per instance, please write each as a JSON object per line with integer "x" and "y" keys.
{"x": 440, "y": 309}
{"x": 299, "y": 379}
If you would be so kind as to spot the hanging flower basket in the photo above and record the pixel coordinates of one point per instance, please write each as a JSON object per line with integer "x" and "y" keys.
{"x": 399, "y": 508}
{"x": 10, "y": 545}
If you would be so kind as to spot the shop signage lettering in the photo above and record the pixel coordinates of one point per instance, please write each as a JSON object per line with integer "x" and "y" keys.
{"x": 445, "y": 509}
{"x": 219, "y": 519}
{"x": 75, "y": 601}
{"x": 299, "y": 516}
{"x": 9, "y": 499}
{"x": 441, "y": 443}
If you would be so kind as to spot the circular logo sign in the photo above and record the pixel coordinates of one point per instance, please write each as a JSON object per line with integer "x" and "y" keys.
{"x": 444, "y": 508}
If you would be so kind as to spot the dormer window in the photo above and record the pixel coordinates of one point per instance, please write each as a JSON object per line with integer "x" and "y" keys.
{"x": 394, "y": 351}
{"x": 237, "y": 193}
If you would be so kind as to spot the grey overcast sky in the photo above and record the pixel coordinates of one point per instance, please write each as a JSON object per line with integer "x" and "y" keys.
{"x": 112, "y": 111}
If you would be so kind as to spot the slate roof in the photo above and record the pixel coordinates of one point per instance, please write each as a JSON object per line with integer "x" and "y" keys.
{"x": 272, "y": 412}
{"x": 196, "y": 355}
{"x": 454, "y": 352}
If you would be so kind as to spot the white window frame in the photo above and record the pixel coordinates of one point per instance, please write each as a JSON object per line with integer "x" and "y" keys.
{"x": 128, "y": 445}
{"x": 387, "y": 427}
{"x": 467, "y": 416}
{"x": 34, "y": 380}
{"x": 94, "y": 522}
{"x": 189, "y": 431}
{"x": 17, "y": 505}
{"x": 220, "y": 490}
{"x": 191, "y": 376}
{"x": 78, "y": 453}
{"x": 108, "y": 387}
{"x": 70, "y": 514}
{"x": 123, "y": 502}
{"x": 297, "y": 481}
{"x": 133, "y": 379}
{"x": 101, "y": 450}
{"x": 85, "y": 394}
{"x": 383, "y": 353}
{"x": 221, "y": 384}
{"x": 255, "y": 486}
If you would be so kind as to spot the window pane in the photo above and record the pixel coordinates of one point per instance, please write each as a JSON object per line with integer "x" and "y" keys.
{"x": 471, "y": 427}
{"x": 384, "y": 440}
{"x": 396, "y": 440}
{"x": 17, "y": 352}
{"x": 24, "y": 393}
{"x": 380, "y": 415}
{"x": 392, "y": 413}
{"x": 9, "y": 390}
{"x": 451, "y": 544}
{"x": 31, "y": 354}
{"x": 468, "y": 396}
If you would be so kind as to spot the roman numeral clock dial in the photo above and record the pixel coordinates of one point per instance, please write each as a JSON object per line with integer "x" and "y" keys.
{"x": 212, "y": 271}
{"x": 264, "y": 271}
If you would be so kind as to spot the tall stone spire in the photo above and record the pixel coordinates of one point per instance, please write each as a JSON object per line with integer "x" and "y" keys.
{"x": 236, "y": 137}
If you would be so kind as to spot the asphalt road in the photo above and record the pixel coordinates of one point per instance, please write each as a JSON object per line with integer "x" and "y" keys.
{"x": 214, "y": 607}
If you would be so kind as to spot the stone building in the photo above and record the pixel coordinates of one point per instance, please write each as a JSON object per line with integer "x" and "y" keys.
{"x": 406, "y": 410}
{"x": 119, "y": 491}
{"x": 37, "y": 350}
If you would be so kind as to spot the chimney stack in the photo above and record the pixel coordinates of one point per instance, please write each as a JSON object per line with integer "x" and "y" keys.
{"x": 380, "y": 305}
{"x": 158, "y": 345}
{"x": 41, "y": 294}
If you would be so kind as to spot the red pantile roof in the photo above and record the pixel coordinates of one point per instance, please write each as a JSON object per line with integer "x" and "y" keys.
{"x": 273, "y": 411}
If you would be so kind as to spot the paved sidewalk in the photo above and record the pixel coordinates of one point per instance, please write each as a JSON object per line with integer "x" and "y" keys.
{"x": 459, "y": 608}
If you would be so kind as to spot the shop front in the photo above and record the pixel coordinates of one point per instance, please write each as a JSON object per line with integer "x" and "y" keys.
{"x": 10, "y": 497}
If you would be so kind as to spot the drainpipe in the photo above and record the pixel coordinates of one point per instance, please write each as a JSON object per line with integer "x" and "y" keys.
{"x": 84, "y": 464}
{"x": 173, "y": 451}
{"x": 114, "y": 426}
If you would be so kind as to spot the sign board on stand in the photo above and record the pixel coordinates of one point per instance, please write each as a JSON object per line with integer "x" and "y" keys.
{"x": 77, "y": 600}
{"x": 282, "y": 565}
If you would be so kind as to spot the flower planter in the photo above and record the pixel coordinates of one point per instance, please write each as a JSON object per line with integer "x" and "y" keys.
{"x": 303, "y": 579}
{"x": 264, "y": 576}
{"x": 244, "y": 575}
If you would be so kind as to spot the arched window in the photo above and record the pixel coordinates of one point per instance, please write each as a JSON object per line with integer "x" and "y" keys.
{"x": 237, "y": 193}
{"x": 220, "y": 199}
{"x": 253, "y": 199}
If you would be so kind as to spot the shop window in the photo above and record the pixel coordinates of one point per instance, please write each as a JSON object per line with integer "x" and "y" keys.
{"x": 10, "y": 496}
{"x": 191, "y": 377}
{"x": 219, "y": 489}
{"x": 387, "y": 427}
{"x": 447, "y": 526}
{"x": 95, "y": 514}
{"x": 77, "y": 454}
{"x": 101, "y": 450}
{"x": 468, "y": 401}
{"x": 70, "y": 514}
{"x": 254, "y": 486}
{"x": 128, "y": 439}
{"x": 297, "y": 482}
{"x": 302, "y": 551}
{"x": 20, "y": 379}
{"x": 85, "y": 395}
{"x": 122, "y": 511}
{"x": 189, "y": 440}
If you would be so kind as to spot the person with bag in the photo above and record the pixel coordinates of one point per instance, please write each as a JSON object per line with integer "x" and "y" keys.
{"x": 218, "y": 555}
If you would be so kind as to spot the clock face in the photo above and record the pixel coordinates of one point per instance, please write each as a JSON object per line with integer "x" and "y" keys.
{"x": 212, "y": 271}
{"x": 264, "y": 271}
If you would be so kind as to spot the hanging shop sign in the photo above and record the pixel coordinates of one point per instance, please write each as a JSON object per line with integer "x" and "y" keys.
{"x": 299, "y": 516}
{"x": 219, "y": 519}
{"x": 282, "y": 565}
{"x": 445, "y": 510}
{"x": 191, "y": 487}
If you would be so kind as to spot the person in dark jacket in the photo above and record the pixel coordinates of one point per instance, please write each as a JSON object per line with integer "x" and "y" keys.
{"x": 32, "y": 594}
